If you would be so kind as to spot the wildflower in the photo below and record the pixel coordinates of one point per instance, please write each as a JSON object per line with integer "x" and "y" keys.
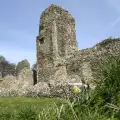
{"x": 1, "y": 78}
{"x": 76, "y": 90}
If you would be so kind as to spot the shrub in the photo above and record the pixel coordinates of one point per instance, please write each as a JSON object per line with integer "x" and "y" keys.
{"x": 28, "y": 112}
{"x": 109, "y": 87}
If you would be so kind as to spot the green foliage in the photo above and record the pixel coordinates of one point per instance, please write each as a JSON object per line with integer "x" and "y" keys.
{"x": 108, "y": 40}
{"x": 21, "y": 65}
{"x": 6, "y": 68}
{"x": 2, "y": 58}
{"x": 108, "y": 88}
{"x": 28, "y": 108}
{"x": 28, "y": 112}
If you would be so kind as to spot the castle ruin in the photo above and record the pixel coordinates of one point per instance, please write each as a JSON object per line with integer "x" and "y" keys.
{"x": 58, "y": 57}
{"x": 59, "y": 60}
{"x": 56, "y": 42}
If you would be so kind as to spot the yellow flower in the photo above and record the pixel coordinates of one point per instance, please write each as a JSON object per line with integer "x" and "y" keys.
{"x": 1, "y": 78}
{"x": 76, "y": 91}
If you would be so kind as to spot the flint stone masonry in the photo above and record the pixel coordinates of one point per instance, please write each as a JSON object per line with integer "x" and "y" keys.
{"x": 58, "y": 58}
{"x": 86, "y": 63}
{"x": 9, "y": 82}
{"x": 24, "y": 80}
{"x": 56, "y": 41}
{"x": 61, "y": 66}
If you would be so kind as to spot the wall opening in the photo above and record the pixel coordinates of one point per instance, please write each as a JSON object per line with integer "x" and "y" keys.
{"x": 41, "y": 27}
{"x": 41, "y": 40}
{"x": 34, "y": 77}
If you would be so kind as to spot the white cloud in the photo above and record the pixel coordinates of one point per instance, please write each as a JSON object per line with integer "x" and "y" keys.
{"x": 115, "y": 4}
{"x": 115, "y": 22}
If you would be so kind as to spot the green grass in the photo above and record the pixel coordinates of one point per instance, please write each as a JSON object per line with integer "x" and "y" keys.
{"x": 20, "y": 102}
{"x": 25, "y": 108}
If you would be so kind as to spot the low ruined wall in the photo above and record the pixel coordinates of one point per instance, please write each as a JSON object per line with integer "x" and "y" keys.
{"x": 85, "y": 64}
{"x": 43, "y": 89}
{"x": 9, "y": 82}
{"x": 23, "y": 80}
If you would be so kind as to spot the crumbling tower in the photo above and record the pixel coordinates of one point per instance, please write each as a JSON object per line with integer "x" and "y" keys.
{"x": 56, "y": 40}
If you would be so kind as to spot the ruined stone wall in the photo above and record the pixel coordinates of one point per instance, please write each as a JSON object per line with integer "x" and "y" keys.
{"x": 84, "y": 65}
{"x": 58, "y": 58}
{"x": 55, "y": 42}
{"x": 9, "y": 82}
{"x": 24, "y": 80}
{"x": 60, "y": 26}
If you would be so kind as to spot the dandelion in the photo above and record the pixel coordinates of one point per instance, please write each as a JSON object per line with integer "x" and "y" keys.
{"x": 1, "y": 78}
{"x": 76, "y": 91}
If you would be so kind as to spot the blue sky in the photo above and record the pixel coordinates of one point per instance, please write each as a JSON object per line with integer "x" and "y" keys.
{"x": 96, "y": 20}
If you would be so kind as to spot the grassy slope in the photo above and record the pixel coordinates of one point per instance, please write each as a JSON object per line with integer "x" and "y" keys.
{"x": 25, "y": 108}
{"x": 20, "y": 101}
